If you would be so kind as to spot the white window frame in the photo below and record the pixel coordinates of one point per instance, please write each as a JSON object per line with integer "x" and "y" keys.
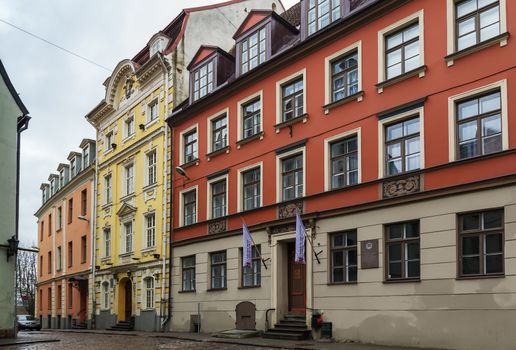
{"x": 148, "y": 168}
{"x": 73, "y": 168}
{"x": 146, "y": 229}
{"x": 181, "y": 204}
{"x": 124, "y": 236}
{"x": 210, "y": 128}
{"x": 128, "y": 133}
{"x": 106, "y": 300}
{"x": 279, "y": 94}
{"x": 420, "y": 111}
{"x": 383, "y": 33}
{"x": 327, "y": 154}
{"x": 108, "y": 190}
{"x": 126, "y": 184}
{"x": 357, "y": 46}
{"x": 106, "y": 252}
{"x": 452, "y": 114}
{"x": 146, "y": 290}
{"x": 150, "y": 105}
{"x": 59, "y": 218}
{"x": 240, "y": 114}
{"x": 182, "y": 142}
{"x": 240, "y": 184}
{"x": 86, "y": 156}
{"x": 209, "y": 195}
{"x": 450, "y": 26}
{"x": 279, "y": 159}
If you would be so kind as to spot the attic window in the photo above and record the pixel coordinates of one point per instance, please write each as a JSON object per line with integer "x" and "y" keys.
{"x": 203, "y": 80}
{"x": 157, "y": 46}
{"x": 254, "y": 50}
{"x": 321, "y": 13}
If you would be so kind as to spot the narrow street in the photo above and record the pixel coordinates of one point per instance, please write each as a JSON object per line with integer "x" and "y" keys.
{"x": 89, "y": 341}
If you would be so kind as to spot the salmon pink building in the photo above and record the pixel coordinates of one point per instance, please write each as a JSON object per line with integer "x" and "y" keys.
{"x": 390, "y": 127}
{"x": 65, "y": 243}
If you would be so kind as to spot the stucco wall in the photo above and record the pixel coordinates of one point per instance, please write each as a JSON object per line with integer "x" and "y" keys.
{"x": 439, "y": 311}
{"x": 9, "y": 113}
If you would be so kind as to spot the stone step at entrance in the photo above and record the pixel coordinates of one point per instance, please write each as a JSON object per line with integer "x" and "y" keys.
{"x": 291, "y": 327}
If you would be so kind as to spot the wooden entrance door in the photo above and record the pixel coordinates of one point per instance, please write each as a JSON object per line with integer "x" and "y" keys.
{"x": 128, "y": 300}
{"x": 296, "y": 282}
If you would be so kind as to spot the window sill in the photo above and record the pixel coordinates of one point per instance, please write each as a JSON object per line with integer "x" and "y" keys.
{"x": 250, "y": 287}
{"x": 302, "y": 118}
{"x": 107, "y": 205}
{"x": 190, "y": 163}
{"x": 187, "y": 291}
{"x": 250, "y": 139}
{"x": 127, "y": 197}
{"x": 106, "y": 152}
{"x": 105, "y": 259}
{"x": 216, "y": 289}
{"x": 405, "y": 280}
{"x": 210, "y": 155}
{"x": 151, "y": 123}
{"x": 477, "y": 277}
{"x": 342, "y": 283}
{"x": 150, "y": 187}
{"x": 58, "y": 229}
{"x": 499, "y": 39}
{"x": 357, "y": 96}
{"x": 125, "y": 255}
{"x": 148, "y": 250}
{"x": 130, "y": 137}
{"x": 420, "y": 71}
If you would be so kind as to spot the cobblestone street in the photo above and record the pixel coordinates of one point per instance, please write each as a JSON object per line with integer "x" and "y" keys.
{"x": 89, "y": 341}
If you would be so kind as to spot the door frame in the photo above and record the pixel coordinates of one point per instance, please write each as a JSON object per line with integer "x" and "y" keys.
{"x": 291, "y": 248}
{"x": 279, "y": 284}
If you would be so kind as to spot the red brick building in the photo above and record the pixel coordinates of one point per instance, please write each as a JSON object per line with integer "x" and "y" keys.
{"x": 388, "y": 125}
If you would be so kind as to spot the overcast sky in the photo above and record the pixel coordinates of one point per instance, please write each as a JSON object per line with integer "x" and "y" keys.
{"x": 58, "y": 88}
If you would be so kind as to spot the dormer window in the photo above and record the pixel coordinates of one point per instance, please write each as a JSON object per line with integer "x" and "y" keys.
{"x": 86, "y": 156}
{"x": 254, "y": 50}
{"x": 72, "y": 168}
{"x": 61, "y": 178}
{"x": 321, "y": 13}
{"x": 52, "y": 187}
{"x": 203, "y": 80}
{"x": 157, "y": 46}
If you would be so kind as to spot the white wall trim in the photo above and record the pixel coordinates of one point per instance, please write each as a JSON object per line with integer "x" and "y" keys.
{"x": 327, "y": 153}
{"x": 419, "y": 16}
{"x": 240, "y": 115}
{"x": 381, "y": 137}
{"x": 452, "y": 117}
{"x": 279, "y": 93}
{"x": 181, "y": 203}
{"x": 240, "y": 184}
{"x": 279, "y": 159}
{"x": 328, "y": 72}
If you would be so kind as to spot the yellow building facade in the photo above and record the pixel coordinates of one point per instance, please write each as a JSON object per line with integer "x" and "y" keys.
{"x": 131, "y": 288}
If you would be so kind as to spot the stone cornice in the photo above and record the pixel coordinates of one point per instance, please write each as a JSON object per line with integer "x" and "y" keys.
{"x": 152, "y": 67}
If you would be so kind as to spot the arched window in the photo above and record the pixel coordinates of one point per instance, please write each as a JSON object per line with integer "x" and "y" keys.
{"x": 149, "y": 292}
{"x": 105, "y": 295}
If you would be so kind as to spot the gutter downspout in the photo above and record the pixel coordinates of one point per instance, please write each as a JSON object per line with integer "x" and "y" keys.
{"x": 93, "y": 230}
{"x": 168, "y": 302}
{"x": 22, "y": 125}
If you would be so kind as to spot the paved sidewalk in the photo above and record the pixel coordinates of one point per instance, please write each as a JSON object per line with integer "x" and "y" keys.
{"x": 25, "y": 338}
{"x": 257, "y": 342}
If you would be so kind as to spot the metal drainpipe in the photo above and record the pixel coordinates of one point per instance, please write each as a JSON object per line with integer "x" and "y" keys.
{"x": 24, "y": 119}
{"x": 93, "y": 224}
{"x": 169, "y": 303}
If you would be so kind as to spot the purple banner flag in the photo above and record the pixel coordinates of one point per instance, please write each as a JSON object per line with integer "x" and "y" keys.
{"x": 247, "y": 247}
{"x": 300, "y": 240}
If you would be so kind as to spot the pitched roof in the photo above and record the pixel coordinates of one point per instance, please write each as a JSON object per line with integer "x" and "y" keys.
{"x": 12, "y": 90}
{"x": 293, "y": 15}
